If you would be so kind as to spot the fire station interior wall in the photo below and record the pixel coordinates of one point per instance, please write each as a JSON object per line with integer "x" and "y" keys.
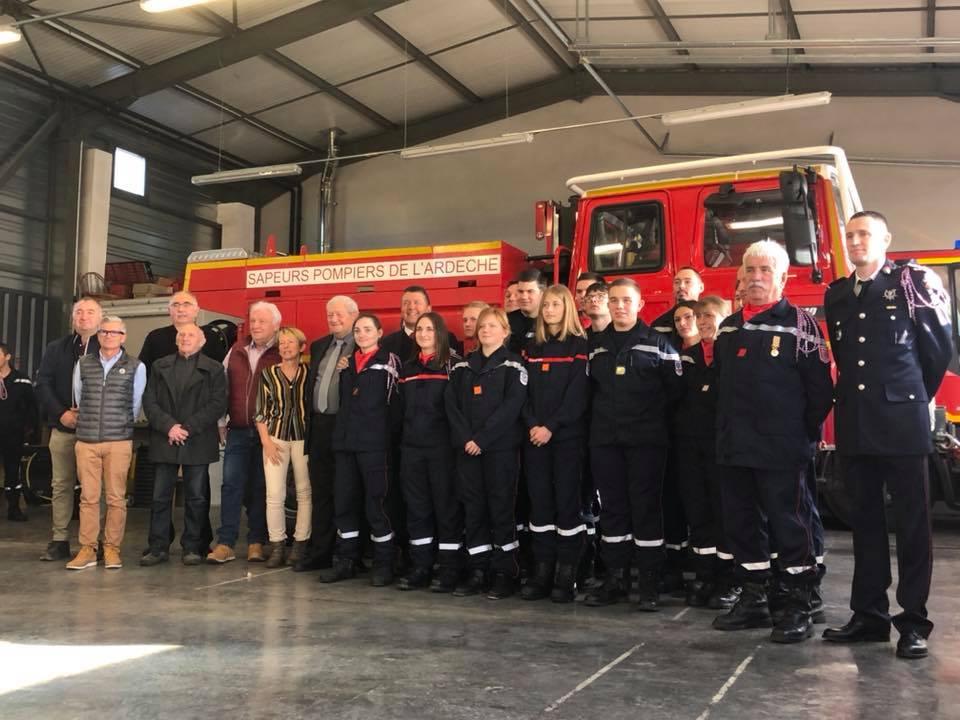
{"x": 490, "y": 194}
{"x": 275, "y": 220}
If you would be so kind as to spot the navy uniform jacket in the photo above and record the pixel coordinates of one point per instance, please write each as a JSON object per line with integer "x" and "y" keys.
{"x": 521, "y": 331}
{"x": 892, "y": 344}
{"x": 695, "y": 415}
{"x": 559, "y": 387}
{"x": 404, "y": 346}
{"x": 633, "y": 389}
{"x": 667, "y": 327}
{"x": 421, "y": 394}
{"x": 364, "y": 420}
{"x": 484, "y": 400}
{"x": 775, "y": 388}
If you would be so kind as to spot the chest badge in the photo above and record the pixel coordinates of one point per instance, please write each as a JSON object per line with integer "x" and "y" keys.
{"x": 775, "y": 347}
{"x": 545, "y": 367}
{"x": 122, "y": 371}
{"x": 890, "y": 295}
{"x": 621, "y": 370}
{"x": 478, "y": 390}
{"x": 356, "y": 391}
{"x": 705, "y": 388}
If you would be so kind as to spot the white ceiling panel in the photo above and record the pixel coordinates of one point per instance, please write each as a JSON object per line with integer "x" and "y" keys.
{"x": 866, "y": 26}
{"x": 179, "y": 111}
{"x": 409, "y": 92}
{"x": 344, "y": 53}
{"x": 504, "y": 61}
{"x": 435, "y": 24}
{"x": 619, "y": 31}
{"x": 307, "y": 119}
{"x": 253, "y": 84}
{"x": 133, "y": 14}
{"x": 20, "y": 52}
{"x": 712, "y": 7}
{"x": 598, "y": 8}
{"x": 147, "y": 46}
{"x": 751, "y": 28}
{"x": 805, "y": 5}
{"x": 246, "y": 141}
{"x": 71, "y": 62}
{"x": 254, "y": 12}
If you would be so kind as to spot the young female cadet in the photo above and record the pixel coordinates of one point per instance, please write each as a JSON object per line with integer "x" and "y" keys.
{"x": 361, "y": 440}
{"x": 434, "y": 517}
{"x": 484, "y": 399}
{"x": 555, "y": 418}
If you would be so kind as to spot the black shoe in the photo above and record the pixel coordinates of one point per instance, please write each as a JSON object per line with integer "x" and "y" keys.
{"x": 856, "y": 631}
{"x": 151, "y": 559}
{"x": 777, "y": 594}
{"x": 699, "y": 593}
{"x": 817, "y": 613}
{"x": 15, "y": 514}
{"x": 503, "y": 587}
{"x": 911, "y": 645}
{"x": 57, "y": 550}
{"x": 647, "y": 591}
{"x": 474, "y": 584}
{"x": 312, "y": 562}
{"x": 341, "y": 569}
{"x": 192, "y": 558}
{"x": 445, "y": 581}
{"x": 724, "y": 597}
{"x": 540, "y": 585}
{"x": 382, "y": 575}
{"x": 671, "y": 583}
{"x": 615, "y": 585}
{"x": 416, "y": 579}
{"x": 750, "y": 611}
{"x": 564, "y": 585}
{"x": 795, "y": 624}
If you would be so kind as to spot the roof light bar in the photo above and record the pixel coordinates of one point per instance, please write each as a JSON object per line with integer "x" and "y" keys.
{"x": 253, "y": 173}
{"x": 429, "y": 150}
{"x": 746, "y": 107}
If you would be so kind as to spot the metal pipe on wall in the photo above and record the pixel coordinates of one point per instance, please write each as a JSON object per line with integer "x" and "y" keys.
{"x": 295, "y": 218}
{"x": 326, "y": 198}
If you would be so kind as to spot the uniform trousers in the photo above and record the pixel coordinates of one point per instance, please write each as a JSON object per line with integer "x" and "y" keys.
{"x": 434, "y": 516}
{"x": 487, "y": 487}
{"x": 629, "y": 481}
{"x": 906, "y": 479}
{"x": 553, "y": 485}
{"x": 675, "y": 535}
{"x": 783, "y": 497}
{"x": 321, "y": 465}
{"x": 11, "y": 450}
{"x": 360, "y": 488}
{"x": 699, "y": 479}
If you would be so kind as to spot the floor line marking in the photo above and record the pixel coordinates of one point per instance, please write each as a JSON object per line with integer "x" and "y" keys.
{"x": 728, "y": 684}
{"x": 249, "y": 576}
{"x": 680, "y": 614}
{"x": 597, "y": 675}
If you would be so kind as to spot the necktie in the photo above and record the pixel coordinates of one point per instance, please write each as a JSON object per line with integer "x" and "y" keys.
{"x": 323, "y": 400}
{"x": 860, "y": 286}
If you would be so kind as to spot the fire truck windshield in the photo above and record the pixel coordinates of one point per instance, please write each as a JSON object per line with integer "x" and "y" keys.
{"x": 627, "y": 238}
{"x": 733, "y": 220}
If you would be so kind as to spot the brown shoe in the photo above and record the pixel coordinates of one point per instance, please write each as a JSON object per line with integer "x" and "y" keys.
{"x": 87, "y": 557}
{"x": 111, "y": 557}
{"x": 221, "y": 554}
{"x": 297, "y": 552}
{"x": 255, "y": 552}
{"x": 276, "y": 558}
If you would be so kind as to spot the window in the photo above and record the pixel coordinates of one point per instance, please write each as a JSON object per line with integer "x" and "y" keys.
{"x": 734, "y": 220}
{"x": 626, "y": 238}
{"x": 129, "y": 172}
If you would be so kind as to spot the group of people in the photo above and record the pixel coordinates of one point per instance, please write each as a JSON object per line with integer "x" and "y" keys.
{"x": 556, "y": 427}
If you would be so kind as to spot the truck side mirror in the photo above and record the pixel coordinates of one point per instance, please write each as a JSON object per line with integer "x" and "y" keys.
{"x": 799, "y": 230}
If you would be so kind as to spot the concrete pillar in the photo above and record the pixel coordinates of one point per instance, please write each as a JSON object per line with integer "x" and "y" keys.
{"x": 95, "y": 180}
{"x": 238, "y": 222}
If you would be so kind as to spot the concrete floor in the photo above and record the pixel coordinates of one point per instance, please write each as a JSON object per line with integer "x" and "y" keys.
{"x": 209, "y": 642}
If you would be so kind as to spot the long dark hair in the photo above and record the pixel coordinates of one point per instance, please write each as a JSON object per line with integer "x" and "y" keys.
{"x": 441, "y": 339}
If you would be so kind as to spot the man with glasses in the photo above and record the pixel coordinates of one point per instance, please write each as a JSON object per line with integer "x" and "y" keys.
{"x": 108, "y": 388}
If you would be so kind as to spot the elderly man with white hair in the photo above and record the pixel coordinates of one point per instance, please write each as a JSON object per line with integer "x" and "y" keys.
{"x": 243, "y": 479}
{"x": 774, "y": 392}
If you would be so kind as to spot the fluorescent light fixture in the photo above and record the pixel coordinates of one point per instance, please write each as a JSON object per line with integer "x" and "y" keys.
{"x": 428, "y": 150}
{"x": 9, "y": 34}
{"x": 746, "y": 107}
{"x": 755, "y": 224}
{"x": 159, "y": 6}
{"x": 253, "y": 173}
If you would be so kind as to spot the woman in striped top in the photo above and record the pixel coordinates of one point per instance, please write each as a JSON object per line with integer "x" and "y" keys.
{"x": 281, "y": 418}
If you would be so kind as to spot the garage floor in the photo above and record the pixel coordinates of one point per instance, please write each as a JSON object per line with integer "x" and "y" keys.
{"x": 219, "y": 642}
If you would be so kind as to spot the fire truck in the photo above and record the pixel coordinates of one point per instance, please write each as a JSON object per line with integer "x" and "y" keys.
{"x": 645, "y": 223}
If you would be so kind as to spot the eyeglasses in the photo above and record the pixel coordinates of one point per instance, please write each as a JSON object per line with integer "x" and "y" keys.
{"x": 111, "y": 332}
{"x": 179, "y": 305}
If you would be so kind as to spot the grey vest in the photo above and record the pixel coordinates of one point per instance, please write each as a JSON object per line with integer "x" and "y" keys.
{"x": 106, "y": 404}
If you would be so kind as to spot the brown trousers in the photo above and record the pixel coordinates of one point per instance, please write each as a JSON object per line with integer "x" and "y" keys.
{"x": 103, "y": 465}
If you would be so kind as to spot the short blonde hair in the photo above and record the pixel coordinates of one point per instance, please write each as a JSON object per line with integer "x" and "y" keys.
{"x": 478, "y": 304}
{"x": 498, "y": 314}
{"x": 296, "y": 333}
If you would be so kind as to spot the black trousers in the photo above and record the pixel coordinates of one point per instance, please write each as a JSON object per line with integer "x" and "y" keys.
{"x": 196, "y": 507}
{"x": 906, "y": 479}
{"x": 819, "y": 547}
{"x": 629, "y": 481}
{"x": 487, "y": 486}
{"x": 698, "y": 477}
{"x": 675, "y": 534}
{"x": 553, "y": 486}
{"x": 321, "y": 465}
{"x": 780, "y": 495}
{"x": 11, "y": 450}
{"x": 360, "y": 489}
{"x": 434, "y": 515}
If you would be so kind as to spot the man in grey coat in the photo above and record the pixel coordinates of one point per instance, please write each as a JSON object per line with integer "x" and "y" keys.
{"x": 185, "y": 396}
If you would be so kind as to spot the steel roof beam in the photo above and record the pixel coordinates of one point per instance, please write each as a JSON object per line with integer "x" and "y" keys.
{"x": 931, "y": 29}
{"x": 12, "y": 164}
{"x": 565, "y": 61}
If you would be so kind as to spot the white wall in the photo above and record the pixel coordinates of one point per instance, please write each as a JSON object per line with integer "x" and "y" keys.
{"x": 490, "y": 194}
{"x": 275, "y": 220}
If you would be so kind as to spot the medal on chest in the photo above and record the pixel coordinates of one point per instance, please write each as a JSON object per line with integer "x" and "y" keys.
{"x": 621, "y": 370}
{"x": 775, "y": 347}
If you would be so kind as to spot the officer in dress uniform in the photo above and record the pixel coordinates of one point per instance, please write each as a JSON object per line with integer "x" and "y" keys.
{"x": 890, "y": 333}
{"x": 774, "y": 393}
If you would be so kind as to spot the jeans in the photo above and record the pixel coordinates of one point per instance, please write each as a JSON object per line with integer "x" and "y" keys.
{"x": 243, "y": 485}
{"x": 196, "y": 492}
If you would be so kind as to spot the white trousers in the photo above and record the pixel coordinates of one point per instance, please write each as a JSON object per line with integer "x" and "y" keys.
{"x": 276, "y": 479}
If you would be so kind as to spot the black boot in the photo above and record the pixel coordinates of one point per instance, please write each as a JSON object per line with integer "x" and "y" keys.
{"x": 382, "y": 574}
{"x": 540, "y": 585}
{"x": 14, "y": 513}
{"x": 647, "y": 587}
{"x": 342, "y": 569}
{"x": 751, "y": 610}
{"x": 564, "y": 585}
{"x": 586, "y": 564}
{"x": 777, "y": 597}
{"x": 817, "y": 614}
{"x": 795, "y": 624}
{"x": 724, "y": 596}
{"x": 474, "y": 583}
{"x": 699, "y": 591}
{"x": 417, "y": 578}
{"x": 616, "y": 585}
{"x": 446, "y": 580}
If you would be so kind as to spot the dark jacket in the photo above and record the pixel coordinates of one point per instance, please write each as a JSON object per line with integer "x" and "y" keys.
{"x": 163, "y": 341}
{"x": 892, "y": 345}
{"x": 318, "y": 348}
{"x": 775, "y": 388}
{"x": 633, "y": 388}
{"x": 202, "y": 402}
{"x": 242, "y": 385}
{"x": 403, "y": 345}
{"x": 484, "y": 400}
{"x": 695, "y": 414}
{"x": 421, "y": 400}
{"x": 18, "y": 412}
{"x": 559, "y": 387}
{"x": 364, "y": 420}
{"x": 55, "y": 378}
{"x": 521, "y": 331}
{"x": 667, "y": 327}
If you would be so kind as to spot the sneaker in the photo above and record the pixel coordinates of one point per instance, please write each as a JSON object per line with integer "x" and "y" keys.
{"x": 87, "y": 557}
{"x": 192, "y": 558}
{"x": 152, "y": 558}
{"x": 503, "y": 587}
{"x": 111, "y": 557}
{"x": 255, "y": 552}
{"x": 56, "y": 550}
{"x": 221, "y": 554}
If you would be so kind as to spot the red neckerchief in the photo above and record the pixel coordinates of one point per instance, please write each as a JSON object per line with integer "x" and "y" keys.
{"x": 707, "y": 347}
{"x": 361, "y": 359}
{"x": 424, "y": 359}
{"x": 750, "y": 310}
{"x": 585, "y": 321}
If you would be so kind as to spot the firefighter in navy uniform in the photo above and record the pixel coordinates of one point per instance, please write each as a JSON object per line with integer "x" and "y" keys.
{"x": 891, "y": 338}
{"x": 774, "y": 393}
{"x": 635, "y": 377}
